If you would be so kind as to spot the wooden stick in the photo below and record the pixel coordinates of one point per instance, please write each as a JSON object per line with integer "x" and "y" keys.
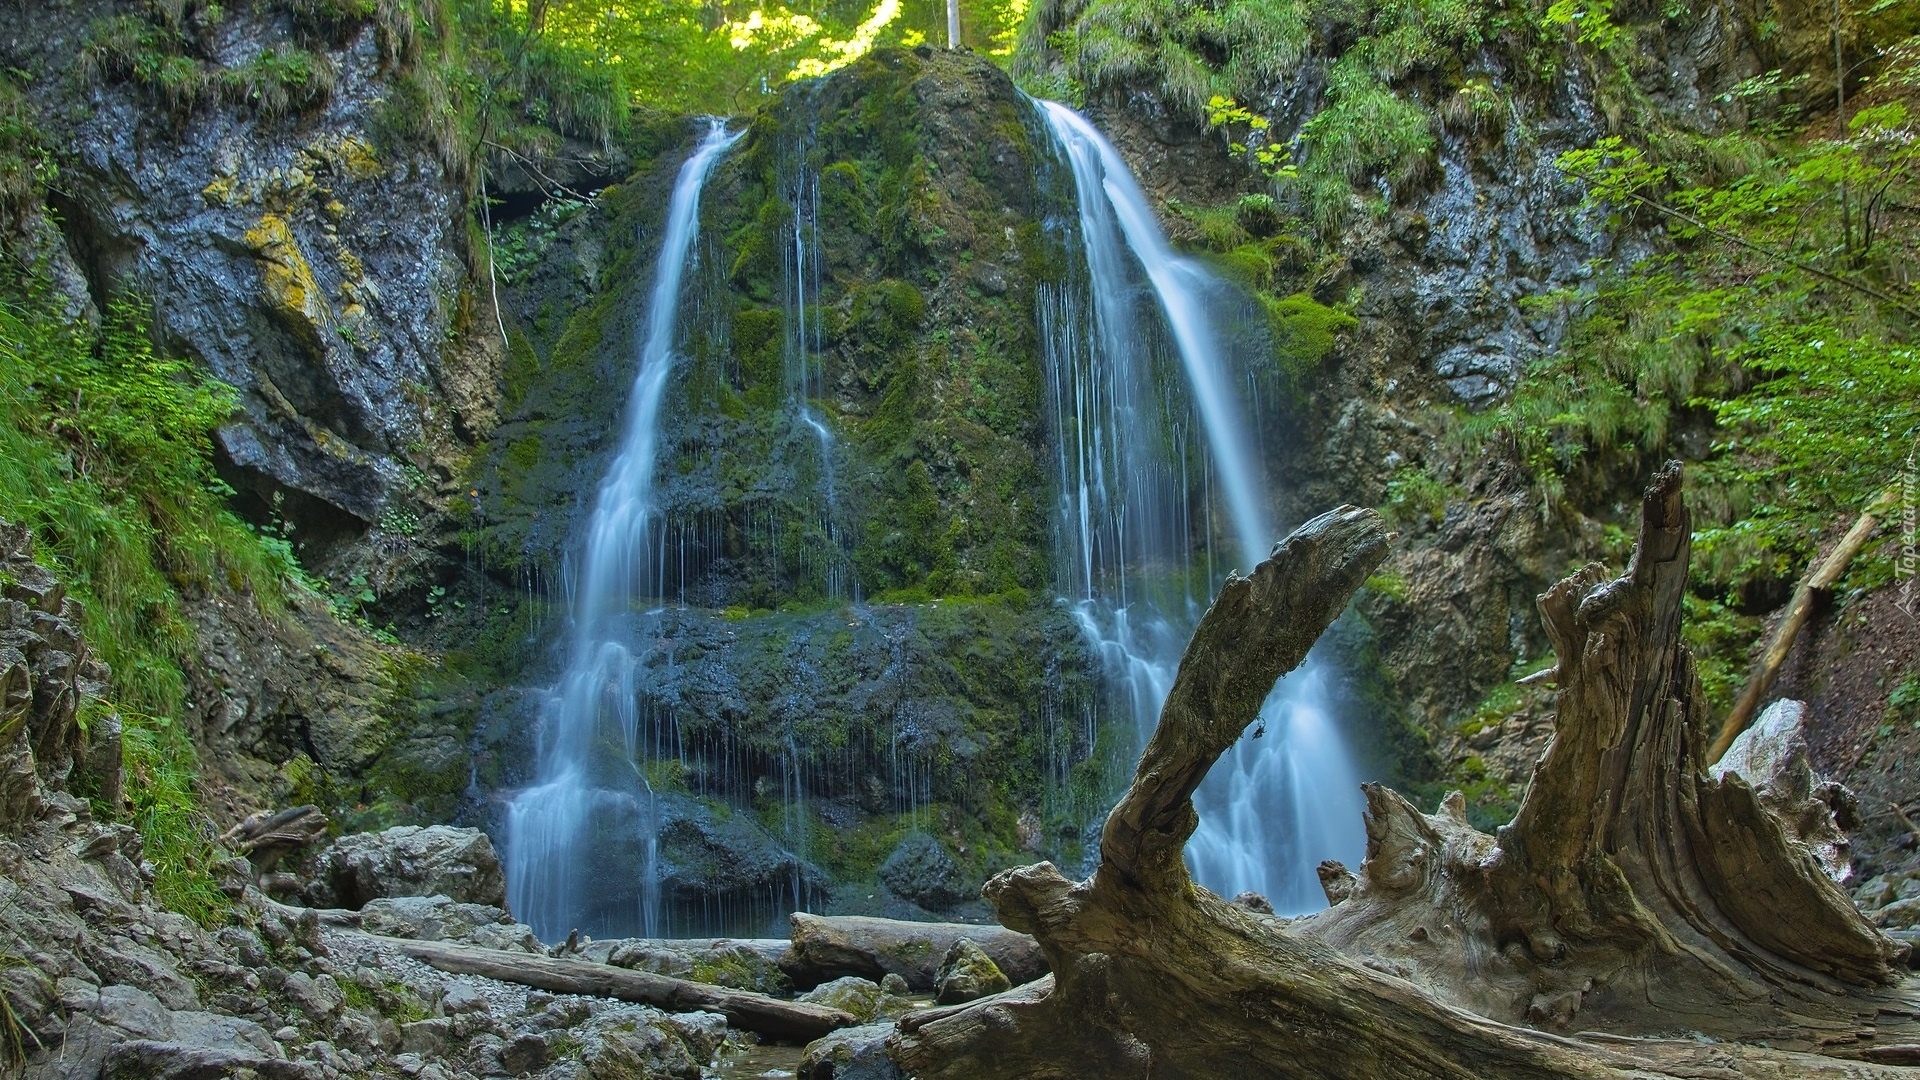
{"x": 1905, "y": 820}
{"x": 788, "y": 1021}
{"x": 1799, "y": 611}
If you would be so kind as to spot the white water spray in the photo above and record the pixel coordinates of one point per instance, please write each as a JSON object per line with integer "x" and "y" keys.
{"x": 581, "y": 847}
{"x": 1274, "y": 806}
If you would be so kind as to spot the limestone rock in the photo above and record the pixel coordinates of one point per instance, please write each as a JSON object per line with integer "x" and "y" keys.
{"x": 621, "y": 1043}
{"x": 966, "y": 974}
{"x": 46, "y": 672}
{"x": 410, "y": 860}
{"x": 143, "y": 1059}
{"x": 1771, "y": 756}
{"x": 866, "y": 1000}
{"x": 1899, "y": 915}
{"x": 704, "y": 1033}
{"x": 437, "y": 918}
{"x": 856, "y": 1053}
{"x": 828, "y": 946}
{"x": 743, "y": 964}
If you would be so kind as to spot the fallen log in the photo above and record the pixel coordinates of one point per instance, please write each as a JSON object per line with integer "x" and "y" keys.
{"x": 786, "y": 1021}
{"x": 1820, "y": 580}
{"x": 266, "y": 837}
{"x": 831, "y": 946}
{"x": 1156, "y": 977}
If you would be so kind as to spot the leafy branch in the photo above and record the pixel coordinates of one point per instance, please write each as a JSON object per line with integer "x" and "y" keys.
{"x": 1617, "y": 173}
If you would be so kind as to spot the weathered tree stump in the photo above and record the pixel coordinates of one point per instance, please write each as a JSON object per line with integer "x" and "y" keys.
{"x": 1629, "y": 888}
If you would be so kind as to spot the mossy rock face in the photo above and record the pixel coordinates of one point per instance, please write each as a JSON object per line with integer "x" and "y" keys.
{"x": 868, "y": 425}
{"x": 923, "y": 871}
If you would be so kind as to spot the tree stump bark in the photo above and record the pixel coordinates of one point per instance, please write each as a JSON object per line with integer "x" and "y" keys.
{"x": 1627, "y": 881}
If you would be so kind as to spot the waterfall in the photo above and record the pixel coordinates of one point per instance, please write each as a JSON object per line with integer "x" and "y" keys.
{"x": 804, "y": 338}
{"x": 581, "y": 841}
{"x": 1287, "y": 795}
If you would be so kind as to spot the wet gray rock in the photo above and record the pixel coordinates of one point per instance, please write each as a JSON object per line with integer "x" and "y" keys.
{"x": 923, "y": 871}
{"x": 855, "y": 1053}
{"x": 410, "y": 860}
{"x": 627, "y": 1042}
{"x": 704, "y": 854}
{"x": 301, "y": 265}
{"x": 966, "y": 974}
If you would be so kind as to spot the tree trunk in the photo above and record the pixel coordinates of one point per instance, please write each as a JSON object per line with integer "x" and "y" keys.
{"x": 1820, "y": 580}
{"x": 1627, "y": 881}
{"x": 787, "y": 1021}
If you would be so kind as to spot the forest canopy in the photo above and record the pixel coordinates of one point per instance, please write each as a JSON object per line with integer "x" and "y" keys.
{"x": 722, "y": 57}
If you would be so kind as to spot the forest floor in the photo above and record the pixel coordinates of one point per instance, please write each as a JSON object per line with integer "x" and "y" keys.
{"x": 1859, "y": 673}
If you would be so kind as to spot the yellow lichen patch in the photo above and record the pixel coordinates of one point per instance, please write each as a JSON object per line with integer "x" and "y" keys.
{"x": 358, "y": 159}
{"x": 344, "y": 155}
{"x": 288, "y": 283}
{"x": 218, "y": 193}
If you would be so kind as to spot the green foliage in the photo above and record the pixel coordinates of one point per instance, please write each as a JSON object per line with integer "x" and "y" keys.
{"x": 104, "y": 453}
{"x": 1780, "y": 310}
{"x": 27, "y": 165}
{"x": 1366, "y": 130}
{"x": 1117, "y": 42}
{"x": 1415, "y": 497}
{"x": 1802, "y": 443}
{"x": 1718, "y": 636}
{"x": 1771, "y": 341}
{"x": 277, "y": 82}
{"x": 1589, "y": 21}
{"x": 1304, "y": 332}
{"x": 688, "y": 59}
{"x": 517, "y": 249}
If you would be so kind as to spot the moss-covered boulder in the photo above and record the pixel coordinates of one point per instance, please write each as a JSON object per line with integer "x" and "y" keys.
{"x": 868, "y": 1001}
{"x": 966, "y": 974}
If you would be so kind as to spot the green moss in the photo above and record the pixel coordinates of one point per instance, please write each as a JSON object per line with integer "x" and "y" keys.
{"x": 756, "y": 258}
{"x": 887, "y": 313}
{"x": 756, "y": 344}
{"x": 1305, "y": 331}
{"x": 1390, "y": 585}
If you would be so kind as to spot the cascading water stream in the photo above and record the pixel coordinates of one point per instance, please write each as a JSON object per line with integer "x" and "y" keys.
{"x": 1274, "y": 806}
{"x": 802, "y": 343}
{"x": 587, "y": 824}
